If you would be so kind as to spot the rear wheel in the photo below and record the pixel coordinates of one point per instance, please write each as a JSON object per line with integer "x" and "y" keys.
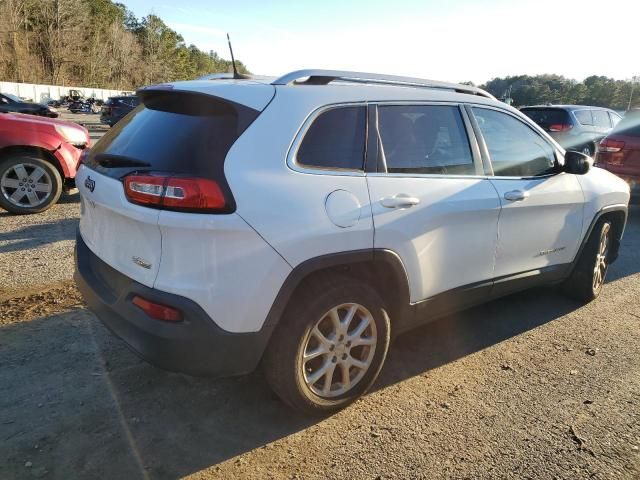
{"x": 587, "y": 279}
{"x": 330, "y": 345}
{"x": 28, "y": 184}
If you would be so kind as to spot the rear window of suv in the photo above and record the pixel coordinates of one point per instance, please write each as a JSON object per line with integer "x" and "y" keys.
{"x": 545, "y": 117}
{"x": 172, "y": 132}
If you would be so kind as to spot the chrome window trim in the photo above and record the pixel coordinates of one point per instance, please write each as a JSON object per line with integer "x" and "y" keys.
{"x": 292, "y": 151}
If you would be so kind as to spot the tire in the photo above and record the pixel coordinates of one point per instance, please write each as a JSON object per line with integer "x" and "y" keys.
{"x": 308, "y": 316}
{"x": 587, "y": 279}
{"x": 587, "y": 150}
{"x": 20, "y": 172}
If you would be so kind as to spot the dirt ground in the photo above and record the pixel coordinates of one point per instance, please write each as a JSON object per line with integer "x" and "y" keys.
{"x": 530, "y": 386}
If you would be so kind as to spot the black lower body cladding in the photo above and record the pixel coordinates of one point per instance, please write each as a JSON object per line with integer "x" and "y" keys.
{"x": 195, "y": 346}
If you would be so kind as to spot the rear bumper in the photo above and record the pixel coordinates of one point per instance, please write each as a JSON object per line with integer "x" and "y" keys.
{"x": 196, "y": 346}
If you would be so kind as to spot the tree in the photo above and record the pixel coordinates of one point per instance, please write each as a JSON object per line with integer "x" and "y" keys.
{"x": 95, "y": 43}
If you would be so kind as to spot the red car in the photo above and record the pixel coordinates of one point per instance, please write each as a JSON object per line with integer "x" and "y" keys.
{"x": 619, "y": 152}
{"x": 38, "y": 160}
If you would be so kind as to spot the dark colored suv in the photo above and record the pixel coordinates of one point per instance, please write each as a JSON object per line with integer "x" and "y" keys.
{"x": 12, "y": 104}
{"x": 619, "y": 152}
{"x": 574, "y": 127}
{"x": 115, "y": 108}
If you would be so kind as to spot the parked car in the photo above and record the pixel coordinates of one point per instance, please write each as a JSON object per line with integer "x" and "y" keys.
{"x": 619, "y": 152}
{"x": 115, "y": 108}
{"x": 574, "y": 127}
{"x": 301, "y": 222}
{"x": 38, "y": 160}
{"x": 11, "y": 104}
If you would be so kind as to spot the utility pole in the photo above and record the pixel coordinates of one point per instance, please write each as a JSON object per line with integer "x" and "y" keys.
{"x": 633, "y": 84}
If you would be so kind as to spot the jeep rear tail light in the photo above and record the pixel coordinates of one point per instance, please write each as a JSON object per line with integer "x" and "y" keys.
{"x": 560, "y": 127}
{"x": 175, "y": 193}
{"x": 611, "y": 146}
{"x": 157, "y": 311}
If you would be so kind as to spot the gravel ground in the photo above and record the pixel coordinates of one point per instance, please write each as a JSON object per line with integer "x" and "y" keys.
{"x": 530, "y": 386}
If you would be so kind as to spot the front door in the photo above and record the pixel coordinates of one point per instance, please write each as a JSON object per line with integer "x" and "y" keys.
{"x": 541, "y": 220}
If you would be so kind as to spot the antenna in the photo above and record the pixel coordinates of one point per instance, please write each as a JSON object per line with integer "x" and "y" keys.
{"x": 236, "y": 75}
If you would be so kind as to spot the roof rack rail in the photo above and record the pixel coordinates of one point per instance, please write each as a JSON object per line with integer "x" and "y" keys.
{"x": 216, "y": 76}
{"x": 229, "y": 76}
{"x": 324, "y": 77}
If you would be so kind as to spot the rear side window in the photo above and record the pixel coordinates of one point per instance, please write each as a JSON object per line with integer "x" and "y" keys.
{"x": 584, "y": 117}
{"x": 548, "y": 117}
{"x": 335, "y": 140}
{"x": 425, "y": 140}
{"x": 615, "y": 119}
{"x": 601, "y": 118}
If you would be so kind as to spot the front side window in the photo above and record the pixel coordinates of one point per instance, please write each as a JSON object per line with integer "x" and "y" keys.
{"x": 425, "y": 139}
{"x": 584, "y": 117}
{"x": 515, "y": 149}
{"x": 335, "y": 140}
{"x": 601, "y": 119}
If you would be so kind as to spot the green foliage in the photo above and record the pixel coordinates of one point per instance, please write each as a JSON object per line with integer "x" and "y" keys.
{"x": 540, "y": 89}
{"x": 97, "y": 43}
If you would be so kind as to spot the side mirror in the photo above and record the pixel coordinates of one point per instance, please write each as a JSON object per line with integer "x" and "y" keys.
{"x": 577, "y": 163}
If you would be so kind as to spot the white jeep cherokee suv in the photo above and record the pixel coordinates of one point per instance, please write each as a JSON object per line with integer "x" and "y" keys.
{"x": 301, "y": 222}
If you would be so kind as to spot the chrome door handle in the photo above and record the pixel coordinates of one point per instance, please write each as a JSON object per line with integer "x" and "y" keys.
{"x": 516, "y": 195}
{"x": 402, "y": 200}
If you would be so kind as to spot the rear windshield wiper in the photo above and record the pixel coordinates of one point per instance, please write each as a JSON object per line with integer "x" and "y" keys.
{"x": 107, "y": 160}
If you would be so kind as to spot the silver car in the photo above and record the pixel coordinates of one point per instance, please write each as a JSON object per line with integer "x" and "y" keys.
{"x": 575, "y": 127}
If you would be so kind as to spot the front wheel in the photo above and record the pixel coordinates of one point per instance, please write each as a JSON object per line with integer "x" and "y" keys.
{"x": 28, "y": 184}
{"x": 587, "y": 279}
{"x": 329, "y": 346}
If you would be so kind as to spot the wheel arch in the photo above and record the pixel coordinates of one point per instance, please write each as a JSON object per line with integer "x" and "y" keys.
{"x": 618, "y": 216}
{"x": 40, "y": 152}
{"x": 382, "y": 269}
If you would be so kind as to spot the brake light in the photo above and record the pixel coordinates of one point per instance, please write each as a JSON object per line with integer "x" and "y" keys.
{"x": 611, "y": 146}
{"x": 560, "y": 127}
{"x": 157, "y": 311}
{"x": 174, "y": 193}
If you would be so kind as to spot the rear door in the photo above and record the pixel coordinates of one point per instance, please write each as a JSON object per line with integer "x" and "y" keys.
{"x": 123, "y": 235}
{"x": 541, "y": 220}
{"x": 181, "y": 134}
{"x": 431, "y": 201}
{"x": 601, "y": 123}
{"x": 585, "y": 133}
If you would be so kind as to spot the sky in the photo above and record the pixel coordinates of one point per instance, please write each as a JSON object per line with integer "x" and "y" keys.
{"x": 456, "y": 40}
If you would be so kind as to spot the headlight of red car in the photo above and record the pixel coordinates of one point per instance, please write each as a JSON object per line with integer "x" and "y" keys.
{"x": 74, "y": 136}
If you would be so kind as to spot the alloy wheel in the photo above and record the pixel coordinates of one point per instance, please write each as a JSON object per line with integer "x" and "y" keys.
{"x": 339, "y": 350}
{"x": 600, "y": 268}
{"x": 26, "y": 185}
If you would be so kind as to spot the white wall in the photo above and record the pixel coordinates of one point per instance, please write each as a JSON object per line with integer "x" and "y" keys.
{"x": 44, "y": 93}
